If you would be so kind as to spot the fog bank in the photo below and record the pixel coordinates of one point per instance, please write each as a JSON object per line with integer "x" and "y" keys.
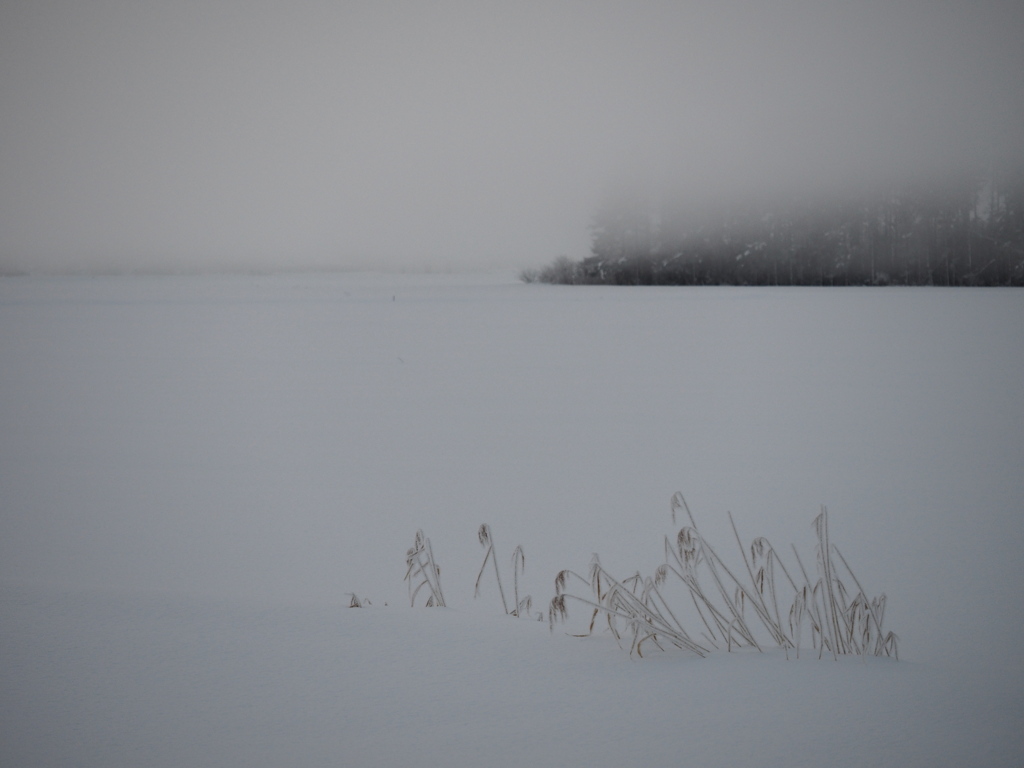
{"x": 228, "y": 135}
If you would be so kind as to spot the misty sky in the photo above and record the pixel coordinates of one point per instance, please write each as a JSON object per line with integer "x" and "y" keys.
{"x": 221, "y": 133}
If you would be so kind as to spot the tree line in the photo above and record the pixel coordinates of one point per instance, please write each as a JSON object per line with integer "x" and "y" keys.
{"x": 967, "y": 231}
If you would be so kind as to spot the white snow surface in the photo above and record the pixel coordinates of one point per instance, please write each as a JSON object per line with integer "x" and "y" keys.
{"x": 195, "y": 470}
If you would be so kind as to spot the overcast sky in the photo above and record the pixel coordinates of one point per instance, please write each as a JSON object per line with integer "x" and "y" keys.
{"x": 221, "y": 133}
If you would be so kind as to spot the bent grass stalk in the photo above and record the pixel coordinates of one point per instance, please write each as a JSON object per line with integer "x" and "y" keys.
{"x": 424, "y": 572}
{"x": 521, "y": 606}
{"x": 518, "y": 567}
{"x": 486, "y": 540}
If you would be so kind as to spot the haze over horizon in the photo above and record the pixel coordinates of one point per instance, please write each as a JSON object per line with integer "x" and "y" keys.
{"x": 262, "y": 135}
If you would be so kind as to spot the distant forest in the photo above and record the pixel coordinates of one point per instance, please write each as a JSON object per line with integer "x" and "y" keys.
{"x": 967, "y": 232}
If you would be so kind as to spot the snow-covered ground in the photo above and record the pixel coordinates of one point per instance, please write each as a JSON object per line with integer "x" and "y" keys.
{"x": 194, "y": 471}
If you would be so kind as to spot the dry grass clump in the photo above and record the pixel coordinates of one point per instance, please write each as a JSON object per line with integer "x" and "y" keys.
{"x": 733, "y": 611}
{"x": 764, "y": 603}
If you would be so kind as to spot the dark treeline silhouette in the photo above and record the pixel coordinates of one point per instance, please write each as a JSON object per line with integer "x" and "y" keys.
{"x": 964, "y": 232}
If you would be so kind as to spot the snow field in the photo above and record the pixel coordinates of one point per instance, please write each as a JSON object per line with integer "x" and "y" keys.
{"x": 195, "y": 470}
